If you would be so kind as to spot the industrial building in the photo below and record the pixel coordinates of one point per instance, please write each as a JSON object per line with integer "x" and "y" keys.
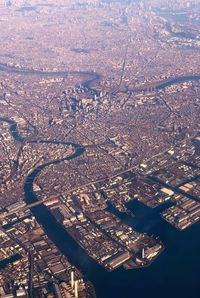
{"x": 118, "y": 259}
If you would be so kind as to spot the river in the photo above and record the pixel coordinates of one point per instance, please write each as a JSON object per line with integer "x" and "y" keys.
{"x": 176, "y": 271}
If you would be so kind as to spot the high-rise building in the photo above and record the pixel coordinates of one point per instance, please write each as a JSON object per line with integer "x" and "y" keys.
{"x": 72, "y": 279}
{"x": 76, "y": 289}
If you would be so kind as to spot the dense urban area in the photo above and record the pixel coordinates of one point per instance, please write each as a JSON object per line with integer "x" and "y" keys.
{"x": 100, "y": 106}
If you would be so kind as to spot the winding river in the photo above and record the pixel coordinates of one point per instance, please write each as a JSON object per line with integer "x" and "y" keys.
{"x": 174, "y": 274}
{"x": 93, "y": 76}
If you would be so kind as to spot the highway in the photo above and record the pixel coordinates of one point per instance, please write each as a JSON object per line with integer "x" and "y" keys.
{"x": 94, "y": 77}
{"x": 102, "y": 180}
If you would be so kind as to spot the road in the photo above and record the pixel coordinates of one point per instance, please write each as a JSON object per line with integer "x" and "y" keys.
{"x": 93, "y": 182}
{"x": 30, "y": 258}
